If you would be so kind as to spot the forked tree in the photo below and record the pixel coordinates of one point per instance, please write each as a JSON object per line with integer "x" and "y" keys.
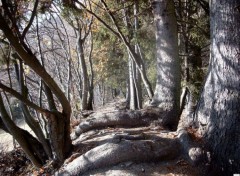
{"x": 58, "y": 120}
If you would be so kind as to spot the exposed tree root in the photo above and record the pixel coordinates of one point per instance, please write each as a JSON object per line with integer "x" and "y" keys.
{"x": 145, "y": 147}
{"x": 121, "y": 118}
{"x": 133, "y": 146}
{"x": 192, "y": 150}
{"x": 113, "y": 153}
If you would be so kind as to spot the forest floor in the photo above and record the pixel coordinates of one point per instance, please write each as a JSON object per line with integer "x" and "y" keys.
{"x": 14, "y": 162}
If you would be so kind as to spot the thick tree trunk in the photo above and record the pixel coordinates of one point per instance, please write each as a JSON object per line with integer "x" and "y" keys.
{"x": 218, "y": 111}
{"x": 167, "y": 91}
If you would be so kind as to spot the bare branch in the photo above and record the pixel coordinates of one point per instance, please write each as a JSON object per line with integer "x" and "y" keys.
{"x": 31, "y": 20}
{"x": 23, "y": 99}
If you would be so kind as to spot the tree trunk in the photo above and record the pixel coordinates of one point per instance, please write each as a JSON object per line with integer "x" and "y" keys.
{"x": 135, "y": 57}
{"x": 132, "y": 90}
{"x": 131, "y": 63}
{"x": 91, "y": 85}
{"x": 137, "y": 75}
{"x": 29, "y": 144}
{"x": 120, "y": 151}
{"x": 85, "y": 81}
{"x": 218, "y": 111}
{"x": 25, "y": 53}
{"x": 167, "y": 91}
{"x": 32, "y": 123}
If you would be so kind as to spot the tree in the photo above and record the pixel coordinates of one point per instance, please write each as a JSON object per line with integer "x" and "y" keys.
{"x": 167, "y": 94}
{"x": 167, "y": 91}
{"x": 82, "y": 23}
{"x": 193, "y": 31}
{"x": 116, "y": 30}
{"x": 217, "y": 112}
{"x": 58, "y": 120}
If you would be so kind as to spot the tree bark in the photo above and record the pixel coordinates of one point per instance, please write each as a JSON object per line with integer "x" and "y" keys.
{"x": 85, "y": 81}
{"x": 137, "y": 50}
{"x": 30, "y": 145}
{"x": 218, "y": 109}
{"x": 167, "y": 91}
{"x": 31, "y": 60}
{"x": 120, "y": 151}
{"x": 143, "y": 117}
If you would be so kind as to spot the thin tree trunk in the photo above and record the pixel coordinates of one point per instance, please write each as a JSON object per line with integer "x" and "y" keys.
{"x": 91, "y": 86}
{"x": 85, "y": 81}
{"x": 132, "y": 90}
{"x": 140, "y": 65}
{"x": 21, "y": 138}
{"x": 137, "y": 75}
{"x": 32, "y": 123}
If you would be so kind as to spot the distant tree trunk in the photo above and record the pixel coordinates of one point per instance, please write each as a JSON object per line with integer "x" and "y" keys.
{"x": 218, "y": 109}
{"x": 85, "y": 83}
{"x": 91, "y": 76}
{"x": 132, "y": 88}
{"x": 135, "y": 57}
{"x": 137, "y": 75}
{"x": 131, "y": 64}
{"x": 167, "y": 91}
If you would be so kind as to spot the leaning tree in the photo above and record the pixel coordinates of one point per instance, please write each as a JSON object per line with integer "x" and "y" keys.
{"x": 57, "y": 146}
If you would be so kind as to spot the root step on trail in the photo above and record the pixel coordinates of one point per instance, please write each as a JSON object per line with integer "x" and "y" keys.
{"x": 113, "y": 153}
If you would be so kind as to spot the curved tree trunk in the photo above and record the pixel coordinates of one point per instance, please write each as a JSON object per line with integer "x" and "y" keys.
{"x": 32, "y": 123}
{"x": 167, "y": 91}
{"x": 218, "y": 111}
{"x": 31, "y": 60}
{"x": 30, "y": 145}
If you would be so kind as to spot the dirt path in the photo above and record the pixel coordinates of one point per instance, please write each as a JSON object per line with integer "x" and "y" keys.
{"x": 177, "y": 167}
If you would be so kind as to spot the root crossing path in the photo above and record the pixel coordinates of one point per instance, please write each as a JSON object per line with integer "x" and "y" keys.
{"x": 110, "y": 138}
